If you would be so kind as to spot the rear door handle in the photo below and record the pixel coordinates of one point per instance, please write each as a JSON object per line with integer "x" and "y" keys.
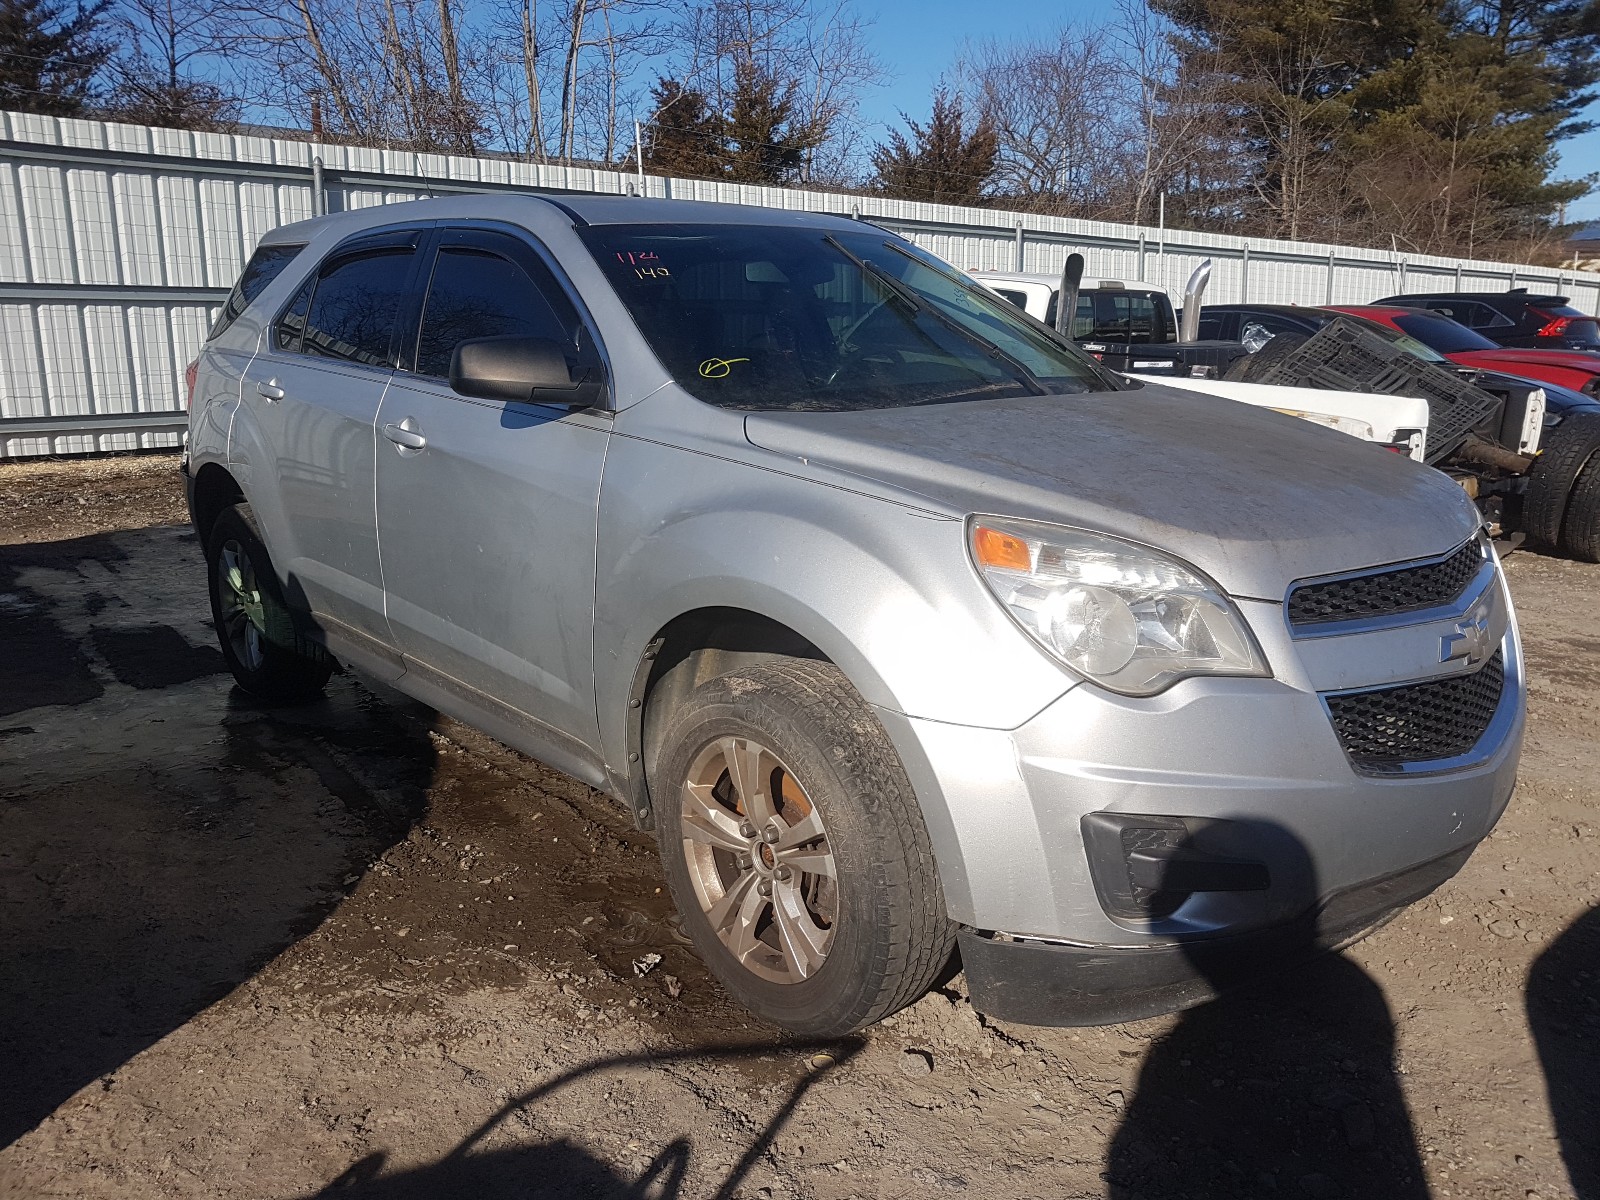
{"x": 405, "y": 434}
{"x": 269, "y": 389}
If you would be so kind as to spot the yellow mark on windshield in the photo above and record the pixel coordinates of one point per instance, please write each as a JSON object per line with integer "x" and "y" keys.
{"x": 718, "y": 368}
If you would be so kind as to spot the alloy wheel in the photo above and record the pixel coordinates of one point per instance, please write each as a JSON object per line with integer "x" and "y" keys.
{"x": 239, "y": 603}
{"x": 759, "y": 860}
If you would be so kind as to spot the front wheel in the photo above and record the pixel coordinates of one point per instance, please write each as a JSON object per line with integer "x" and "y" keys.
{"x": 795, "y": 849}
{"x": 267, "y": 654}
{"x": 1580, "y": 526}
{"x": 1554, "y": 477}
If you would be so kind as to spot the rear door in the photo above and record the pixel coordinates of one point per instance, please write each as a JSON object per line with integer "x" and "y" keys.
{"x": 313, "y": 394}
{"x": 487, "y": 527}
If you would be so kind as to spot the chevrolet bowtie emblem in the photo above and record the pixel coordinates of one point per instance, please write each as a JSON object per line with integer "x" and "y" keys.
{"x": 1468, "y": 642}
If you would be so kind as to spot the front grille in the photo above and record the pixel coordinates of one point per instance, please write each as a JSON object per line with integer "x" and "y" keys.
{"x": 1417, "y": 722}
{"x": 1386, "y": 592}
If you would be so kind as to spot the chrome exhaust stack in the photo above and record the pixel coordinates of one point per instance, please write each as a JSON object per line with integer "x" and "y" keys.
{"x": 1189, "y": 323}
{"x": 1067, "y": 297}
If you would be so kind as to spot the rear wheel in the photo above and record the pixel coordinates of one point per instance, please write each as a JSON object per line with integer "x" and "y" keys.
{"x": 267, "y": 654}
{"x": 1554, "y": 476}
{"x": 795, "y": 849}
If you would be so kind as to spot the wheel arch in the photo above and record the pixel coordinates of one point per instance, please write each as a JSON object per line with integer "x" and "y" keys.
{"x": 697, "y": 644}
{"x": 213, "y": 490}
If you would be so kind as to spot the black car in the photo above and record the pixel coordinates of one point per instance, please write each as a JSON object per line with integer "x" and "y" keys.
{"x": 1254, "y": 324}
{"x": 1515, "y": 318}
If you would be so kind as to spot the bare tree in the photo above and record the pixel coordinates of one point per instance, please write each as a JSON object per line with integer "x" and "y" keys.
{"x": 814, "y": 54}
{"x": 1175, "y": 100}
{"x": 152, "y": 75}
{"x": 385, "y": 72}
{"x": 1060, "y": 112}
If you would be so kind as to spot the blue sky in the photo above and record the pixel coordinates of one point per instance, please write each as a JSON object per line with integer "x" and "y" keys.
{"x": 919, "y": 39}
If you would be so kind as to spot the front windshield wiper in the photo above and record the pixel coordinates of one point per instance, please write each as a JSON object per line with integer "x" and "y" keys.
{"x": 907, "y": 296}
{"x": 897, "y": 289}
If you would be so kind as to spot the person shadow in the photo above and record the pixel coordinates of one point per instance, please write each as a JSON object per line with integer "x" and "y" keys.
{"x": 1563, "y": 1003}
{"x": 1285, "y": 1083}
{"x": 561, "y": 1169}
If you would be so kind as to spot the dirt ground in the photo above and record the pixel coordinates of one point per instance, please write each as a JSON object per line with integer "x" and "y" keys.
{"x": 356, "y": 950}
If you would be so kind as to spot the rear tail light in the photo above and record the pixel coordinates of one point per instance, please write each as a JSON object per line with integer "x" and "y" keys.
{"x": 189, "y": 373}
{"x": 1556, "y": 327}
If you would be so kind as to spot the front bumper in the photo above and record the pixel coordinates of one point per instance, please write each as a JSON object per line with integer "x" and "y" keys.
{"x": 1045, "y": 983}
{"x": 1254, "y": 771}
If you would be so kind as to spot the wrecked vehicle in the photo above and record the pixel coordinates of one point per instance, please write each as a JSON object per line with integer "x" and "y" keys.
{"x": 1533, "y": 472}
{"x": 903, "y": 624}
{"x": 1136, "y": 331}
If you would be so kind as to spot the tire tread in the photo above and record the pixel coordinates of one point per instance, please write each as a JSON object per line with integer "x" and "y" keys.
{"x": 1554, "y": 477}
{"x": 1580, "y": 531}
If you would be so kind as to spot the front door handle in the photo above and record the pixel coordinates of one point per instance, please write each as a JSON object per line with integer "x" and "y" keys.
{"x": 269, "y": 389}
{"x": 405, "y": 435}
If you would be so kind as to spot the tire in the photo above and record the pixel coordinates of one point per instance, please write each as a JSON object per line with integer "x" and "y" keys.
{"x": 1251, "y": 367}
{"x": 1554, "y": 474}
{"x": 265, "y": 650}
{"x": 865, "y": 941}
{"x": 1580, "y": 529}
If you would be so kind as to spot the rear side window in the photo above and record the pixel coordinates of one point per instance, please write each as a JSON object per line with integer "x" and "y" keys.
{"x": 1485, "y": 317}
{"x": 265, "y": 265}
{"x": 354, "y": 306}
{"x": 292, "y": 324}
{"x": 1464, "y": 311}
{"x": 1020, "y": 299}
{"x": 476, "y": 294}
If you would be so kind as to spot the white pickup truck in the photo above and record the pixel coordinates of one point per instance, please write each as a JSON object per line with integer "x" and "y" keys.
{"x": 1398, "y": 422}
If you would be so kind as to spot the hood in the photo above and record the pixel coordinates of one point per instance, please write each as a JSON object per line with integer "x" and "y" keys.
{"x": 1572, "y": 360}
{"x": 1253, "y": 498}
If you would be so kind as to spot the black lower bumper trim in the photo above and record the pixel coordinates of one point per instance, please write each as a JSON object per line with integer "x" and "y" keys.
{"x": 1047, "y": 983}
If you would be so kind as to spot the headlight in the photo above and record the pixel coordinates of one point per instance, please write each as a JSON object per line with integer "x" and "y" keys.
{"x": 1348, "y": 425}
{"x": 1129, "y": 618}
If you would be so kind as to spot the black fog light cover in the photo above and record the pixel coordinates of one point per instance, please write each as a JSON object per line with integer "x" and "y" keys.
{"x": 1145, "y": 867}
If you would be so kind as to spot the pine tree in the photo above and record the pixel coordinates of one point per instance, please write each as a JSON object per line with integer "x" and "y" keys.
{"x": 765, "y": 144}
{"x": 684, "y": 137}
{"x": 940, "y": 162}
{"x": 1425, "y": 122}
{"x": 48, "y": 59}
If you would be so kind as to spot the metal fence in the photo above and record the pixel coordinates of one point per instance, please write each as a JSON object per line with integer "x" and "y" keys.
{"x": 118, "y": 242}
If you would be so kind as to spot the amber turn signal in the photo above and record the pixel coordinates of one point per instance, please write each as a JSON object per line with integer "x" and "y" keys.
{"x": 996, "y": 549}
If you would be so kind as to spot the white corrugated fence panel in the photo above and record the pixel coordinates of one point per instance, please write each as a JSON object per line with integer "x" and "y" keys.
{"x": 118, "y": 208}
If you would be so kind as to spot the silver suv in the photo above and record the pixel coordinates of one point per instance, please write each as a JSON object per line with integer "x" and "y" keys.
{"x": 903, "y": 624}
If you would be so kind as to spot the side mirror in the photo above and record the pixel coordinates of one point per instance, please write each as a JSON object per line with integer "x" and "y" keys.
{"x": 533, "y": 370}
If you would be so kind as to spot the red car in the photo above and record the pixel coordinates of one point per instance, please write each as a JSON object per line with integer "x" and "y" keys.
{"x": 1569, "y": 368}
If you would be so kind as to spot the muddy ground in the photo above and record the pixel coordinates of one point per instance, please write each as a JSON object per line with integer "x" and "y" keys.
{"x": 355, "y": 950}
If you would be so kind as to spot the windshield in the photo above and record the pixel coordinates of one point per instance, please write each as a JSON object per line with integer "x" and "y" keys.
{"x": 1443, "y": 334}
{"x": 765, "y": 318}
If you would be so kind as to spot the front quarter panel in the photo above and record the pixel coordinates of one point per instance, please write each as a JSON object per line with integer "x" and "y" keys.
{"x": 883, "y": 589}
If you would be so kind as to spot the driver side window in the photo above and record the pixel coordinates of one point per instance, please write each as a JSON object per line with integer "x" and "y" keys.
{"x": 475, "y": 293}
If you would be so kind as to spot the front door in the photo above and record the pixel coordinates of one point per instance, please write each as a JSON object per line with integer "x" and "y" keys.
{"x": 486, "y": 509}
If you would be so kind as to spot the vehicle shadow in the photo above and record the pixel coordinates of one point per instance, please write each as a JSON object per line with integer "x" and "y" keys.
{"x": 1563, "y": 999}
{"x": 1283, "y": 1085}
{"x": 562, "y": 1169}
{"x": 161, "y": 837}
